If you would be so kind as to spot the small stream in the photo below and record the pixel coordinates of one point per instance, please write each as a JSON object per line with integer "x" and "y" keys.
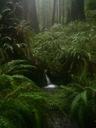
{"x": 57, "y": 119}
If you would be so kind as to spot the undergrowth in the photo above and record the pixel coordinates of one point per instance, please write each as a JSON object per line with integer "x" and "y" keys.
{"x": 67, "y": 49}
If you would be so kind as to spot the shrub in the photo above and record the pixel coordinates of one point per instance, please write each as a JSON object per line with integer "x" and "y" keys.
{"x": 14, "y": 33}
{"x": 19, "y": 97}
{"x": 67, "y": 50}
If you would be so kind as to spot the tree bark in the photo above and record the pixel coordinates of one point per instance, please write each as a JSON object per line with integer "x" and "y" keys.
{"x": 31, "y": 14}
{"x": 77, "y": 10}
{"x": 54, "y": 11}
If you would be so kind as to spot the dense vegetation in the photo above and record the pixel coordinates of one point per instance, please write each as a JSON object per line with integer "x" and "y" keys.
{"x": 54, "y": 36}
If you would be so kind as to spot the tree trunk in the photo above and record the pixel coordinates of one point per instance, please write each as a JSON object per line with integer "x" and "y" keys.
{"x": 77, "y": 10}
{"x": 68, "y": 7}
{"x": 61, "y": 12}
{"x": 54, "y": 11}
{"x": 31, "y": 14}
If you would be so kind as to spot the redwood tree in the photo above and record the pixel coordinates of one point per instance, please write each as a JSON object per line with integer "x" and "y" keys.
{"x": 77, "y": 10}
{"x": 54, "y": 11}
{"x": 33, "y": 16}
{"x": 58, "y": 12}
{"x": 31, "y": 13}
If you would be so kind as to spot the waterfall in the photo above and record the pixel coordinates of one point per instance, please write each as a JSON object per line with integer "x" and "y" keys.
{"x": 49, "y": 83}
{"x": 48, "y": 79}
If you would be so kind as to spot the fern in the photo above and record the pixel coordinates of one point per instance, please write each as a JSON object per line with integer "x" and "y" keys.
{"x": 83, "y": 106}
{"x": 16, "y": 67}
{"x": 14, "y": 111}
{"x": 5, "y": 123}
{"x": 6, "y": 85}
{"x": 82, "y": 97}
{"x": 19, "y": 106}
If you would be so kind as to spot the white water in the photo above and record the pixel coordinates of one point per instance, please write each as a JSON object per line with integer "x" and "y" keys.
{"x": 49, "y": 83}
{"x": 50, "y": 86}
{"x": 47, "y": 79}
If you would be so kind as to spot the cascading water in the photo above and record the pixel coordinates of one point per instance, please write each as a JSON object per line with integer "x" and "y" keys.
{"x": 49, "y": 83}
{"x": 47, "y": 79}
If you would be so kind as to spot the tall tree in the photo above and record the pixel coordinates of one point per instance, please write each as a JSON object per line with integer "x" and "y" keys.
{"x": 33, "y": 16}
{"x": 75, "y": 10}
{"x": 56, "y": 18}
{"x": 58, "y": 12}
{"x": 61, "y": 11}
{"x": 54, "y": 11}
{"x": 44, "y": 10}
{"x": 31, "y": 13}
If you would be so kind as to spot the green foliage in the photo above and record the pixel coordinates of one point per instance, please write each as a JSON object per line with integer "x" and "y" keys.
{"x": 17, "y": 67}
{"x": 22, "y": 103}
{"x": 91, "y": 15}
{"x": 19, "y": 97}
{"x": 5, "y": 123}
{"x": 67, "y": 49}
{"x": 77, "y": 100}
{"x": 91, "y": 4}
{"x": 22, "y": 67}
{"x": 14, "y": 33}
{"x": 82, "y": 104}
{"x": 79, "y": 107}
